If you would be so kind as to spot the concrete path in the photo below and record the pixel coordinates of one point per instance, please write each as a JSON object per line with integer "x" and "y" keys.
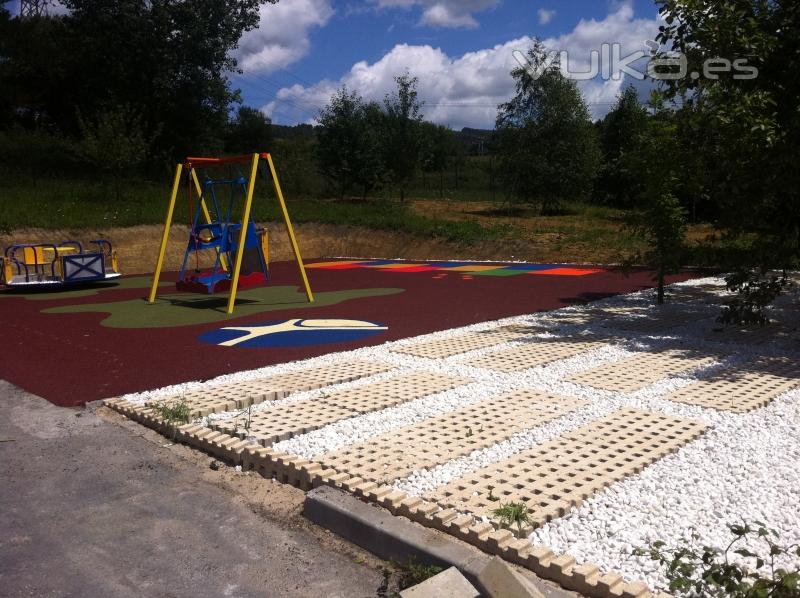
{"x": 93, "y": 505}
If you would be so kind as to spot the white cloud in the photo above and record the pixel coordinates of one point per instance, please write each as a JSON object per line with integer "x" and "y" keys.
{"x": 545, "y": 15}
{"x": 444, "y": 13}
{"x": 465, "y": 90}
{"x": 281, "y": 38}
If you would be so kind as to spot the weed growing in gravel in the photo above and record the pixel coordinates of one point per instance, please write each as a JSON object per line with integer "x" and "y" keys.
{"x": 514, "y": 513}
{"x": 415, "y": 573}
{"x": 174, "y": 413}
{"x": 711, "y": 573}
{"x": 247, "y": 414}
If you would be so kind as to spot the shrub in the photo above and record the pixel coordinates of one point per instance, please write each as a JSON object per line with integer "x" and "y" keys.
{"x": 711, "y": 572}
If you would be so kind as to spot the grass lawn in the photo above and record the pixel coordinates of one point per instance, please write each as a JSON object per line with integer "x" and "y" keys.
{"x": 580, "y": 233}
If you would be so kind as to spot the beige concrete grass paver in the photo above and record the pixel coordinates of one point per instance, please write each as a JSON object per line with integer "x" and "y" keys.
{"x": 240, "y": 395}
{"x": 436, "y": 440}
{"x": 641, "y": 370}
{"x": 552, "y": 477}
{"x": 742, "y": 388}
{"x": 533, "y": 353}
{"x": 447, "y": 347}
{"x": 658, "y": 319}
{"x": 773, "y": 333}
{"x": 281, "y": 422}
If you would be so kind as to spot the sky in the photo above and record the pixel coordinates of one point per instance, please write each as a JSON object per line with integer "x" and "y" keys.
{"x": 462, "y": 51}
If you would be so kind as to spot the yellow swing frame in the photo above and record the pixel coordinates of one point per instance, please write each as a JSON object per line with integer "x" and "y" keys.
{"x": 190, "y": 165}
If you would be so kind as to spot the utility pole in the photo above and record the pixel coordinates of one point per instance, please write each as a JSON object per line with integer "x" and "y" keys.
{"x": 32, "y": 8}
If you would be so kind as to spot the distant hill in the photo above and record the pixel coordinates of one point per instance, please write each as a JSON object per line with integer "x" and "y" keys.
{"x": 287, "y": 132}
{"x": 474, "y": 141}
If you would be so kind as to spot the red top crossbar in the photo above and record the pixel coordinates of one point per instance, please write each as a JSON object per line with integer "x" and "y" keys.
{"x": 190, "y": 162}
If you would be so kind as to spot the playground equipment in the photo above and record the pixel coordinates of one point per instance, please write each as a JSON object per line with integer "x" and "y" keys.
{"x": 241, "y": 250}
{"x": 56, "y": 265}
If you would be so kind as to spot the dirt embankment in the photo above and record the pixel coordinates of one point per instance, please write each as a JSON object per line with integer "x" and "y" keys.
{"x": 137, "y": 246}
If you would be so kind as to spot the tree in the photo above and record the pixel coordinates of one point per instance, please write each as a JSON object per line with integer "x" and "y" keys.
{"x": 114, "y": 142}
{"x": 437, "y": 144}
{"x": 249, "y": 131}
{"x": 659, "y": 216}
{"x": 168, "y": 61}
{"x": 348, "y": 149}
{"x": 618, "y": 132}
{"x": 750, "y": 124}
{"x": 33, "y": 64}
{"x": 401, "y": 135}
{"x": 546, "y": 144}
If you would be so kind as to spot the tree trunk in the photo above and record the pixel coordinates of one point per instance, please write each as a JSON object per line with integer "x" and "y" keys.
{"x": 660, "y": 299}
{"x": 441, "y": 183}
{"x": 491, "y": 177}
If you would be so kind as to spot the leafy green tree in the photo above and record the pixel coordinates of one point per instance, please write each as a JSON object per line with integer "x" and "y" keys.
{"x": 750, "y": 124}
{"x": 169, "y": 61}
{"x": 296, "y": 163}
{"x": 114, "y": 141}
{"x": 437, "y": 145}
{"x": 372, "y": 172}
{"x": 401, "y": 133}
{"x": 659, "y": 217}
{"x": 618, "y": 132}
{"x": 547, "y": 148}
{"x": 249, "y": 131}
{"x": 33, "y": 64}
{"x": 348, "y": 149}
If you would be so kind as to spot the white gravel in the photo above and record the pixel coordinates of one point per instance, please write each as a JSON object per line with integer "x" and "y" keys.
{"x": 746, "y": 467}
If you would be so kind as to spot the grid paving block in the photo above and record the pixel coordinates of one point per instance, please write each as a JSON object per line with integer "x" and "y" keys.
{"x": 570, "y": 318}
{"x": 532, "y": 354}
{"x": 470, "y": 341}
{"x": 641, "y": 370}
{"x": 744, "y": 387}
{"x": 278, "y": 423}
{"x": 656, "y": 319}
{"x": 393, "y": 391}
{"x": 240, "y": 395}
{"x": 553, "y": 477}
{"x": 709, "y": 293}
{"x": 437, "y": 440}
{"x": 772, "y": 333}
{"x": 319, "y": 377}
{"x": 281, "y": 422}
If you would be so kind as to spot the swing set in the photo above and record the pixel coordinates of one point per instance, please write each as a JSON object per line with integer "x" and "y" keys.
{"x": 241, "y": 250}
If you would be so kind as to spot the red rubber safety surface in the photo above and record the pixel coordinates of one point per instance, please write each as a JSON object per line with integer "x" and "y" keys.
{"x": 71, "y": 358}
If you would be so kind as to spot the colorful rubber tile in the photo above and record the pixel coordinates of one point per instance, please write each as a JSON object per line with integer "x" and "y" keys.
{"x": 531, "y": 267}
{"x": 475, "y": 268}
{"x": 500, "y": 272}
{"x": 568, "y": 272}
{"x": 335, "y": 265}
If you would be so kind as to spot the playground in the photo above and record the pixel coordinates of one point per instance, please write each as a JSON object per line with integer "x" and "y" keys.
{"x": 108, "y": 340}
{"x": 441, "y": 390}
